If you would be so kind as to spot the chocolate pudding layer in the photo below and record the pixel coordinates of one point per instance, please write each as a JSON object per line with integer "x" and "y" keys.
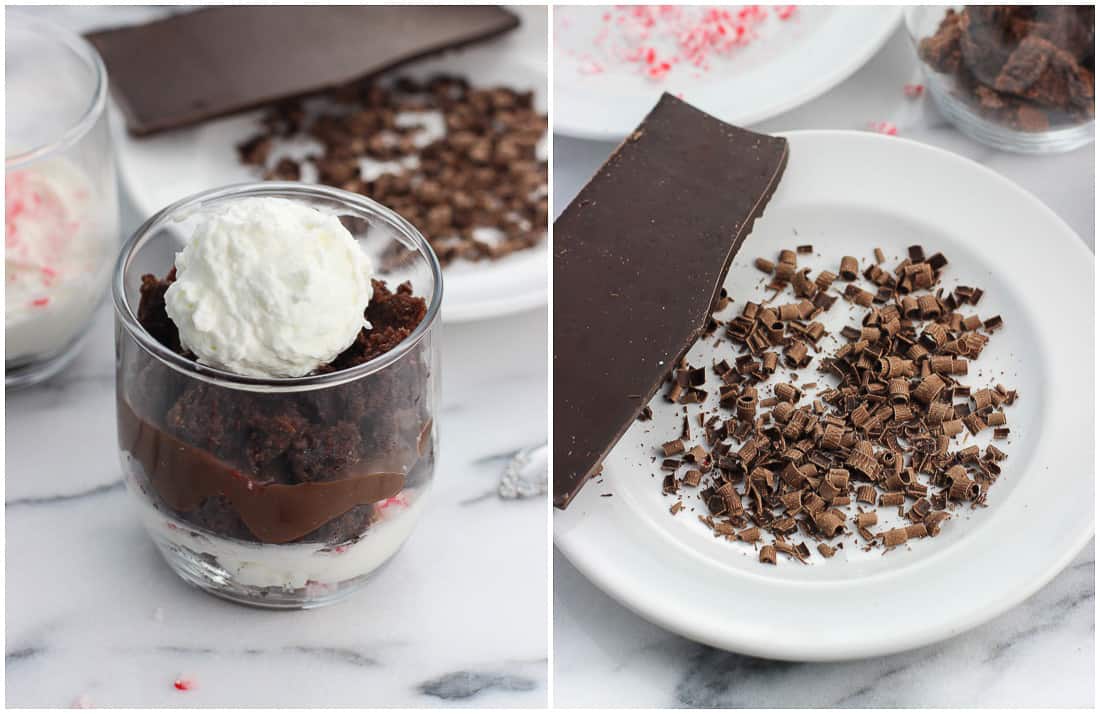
{"x": 280, "y": 467}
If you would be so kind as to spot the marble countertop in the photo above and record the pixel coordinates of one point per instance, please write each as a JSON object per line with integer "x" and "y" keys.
{"x": 459, "y": 618}
{"x": 1038, "y": 654}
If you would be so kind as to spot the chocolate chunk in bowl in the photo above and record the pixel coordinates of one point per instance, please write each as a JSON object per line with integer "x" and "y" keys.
{"x": 1016, "y": 77}
{"x": 280, "y": 491}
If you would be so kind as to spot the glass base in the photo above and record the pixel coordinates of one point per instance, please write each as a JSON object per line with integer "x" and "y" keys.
{"x": 1001, "y": 137}
{"x": 22, "y": 375}
{"x": 203, "y": 571}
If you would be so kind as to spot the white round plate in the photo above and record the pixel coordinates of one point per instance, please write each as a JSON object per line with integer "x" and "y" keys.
{"x": 164, "y": 168}
{"x": 846, "y": 193}
{"x": 791, "y": 62}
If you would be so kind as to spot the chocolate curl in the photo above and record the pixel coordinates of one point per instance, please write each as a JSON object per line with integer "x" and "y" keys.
{"x": 933, "y": 520}
{"x": 866, "y": 519}
{"x": 671, "y": 448}
{"x": 891, "y": 498}
{"x": 797, "y": 354}
{"x": 916, "y": 352}
{"x": 803, "y": 286}
{"x": 831, "y": 438}
{"x": 789, "y": 311}
{"x": 849, "y": 268}
{"x": 939, "y": 412}
{"x": 825, "y": 280}
{"x": 895, "y": 537}
{"x": 894, "y": 367}
{"x": 919, "y": 510}
{"x": 974, "y": 423}
{"x": 916, "y": 530}
{"x": 764, "y": 265}
{"x": 929, "y": 307}
{"x": 767, "y": 554}
{"x": 812, "y": 503}
{"x": 910, "y": 308}
{"x": 953, "y": 427}
{"x": 866, "y": 494}
{"x": 749, "y": 535}
{"x": 899, "y": 390}
{"x": 983, "y": 399}
{"x": 929, "y": 388}
{"x": 787, "y": 392}
{"x": 792, "y": 502}
{"x": 829, "y": 523}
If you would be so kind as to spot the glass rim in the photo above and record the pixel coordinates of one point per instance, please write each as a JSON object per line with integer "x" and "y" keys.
{"x": 85, "y": 51}
{"x": 128, "y": 318}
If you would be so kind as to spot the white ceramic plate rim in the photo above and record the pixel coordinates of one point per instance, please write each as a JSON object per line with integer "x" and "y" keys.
{"x": 658, "y": 595}
{"x": 890, "y": 19}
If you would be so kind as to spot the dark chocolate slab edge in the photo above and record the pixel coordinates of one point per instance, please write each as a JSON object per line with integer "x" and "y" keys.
{"x": 139, "y": 128}
{"x": 566, "y": 486}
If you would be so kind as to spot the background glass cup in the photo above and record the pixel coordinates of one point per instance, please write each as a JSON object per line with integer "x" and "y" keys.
{"x": 964, "y": 111}
{"x": 61, "y": 207}
{"x": 205, "y": 452}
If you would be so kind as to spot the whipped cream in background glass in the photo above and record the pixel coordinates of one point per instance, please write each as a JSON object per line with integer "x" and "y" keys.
{"x": 61, "y": 208}
{"x": 58, "y": 249}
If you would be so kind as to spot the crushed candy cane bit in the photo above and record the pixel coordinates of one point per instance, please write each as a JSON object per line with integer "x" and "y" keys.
{"x": 914, "y": 90}
{"x": 883, "y": 127}
{"x": 184, "y": 685}
{"x": 400, "y": 501}
{"x": 655, "y": 39}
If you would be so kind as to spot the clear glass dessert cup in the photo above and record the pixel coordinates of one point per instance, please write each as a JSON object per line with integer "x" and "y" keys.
{"x": 61, "y": 207}
{"x": 280, "y": 492}
{"x": 980, "y": 112}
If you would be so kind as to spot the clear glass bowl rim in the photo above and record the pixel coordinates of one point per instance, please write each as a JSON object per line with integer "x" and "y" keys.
{"x": 128, "y": 319}
{"x": 88, "y": 53}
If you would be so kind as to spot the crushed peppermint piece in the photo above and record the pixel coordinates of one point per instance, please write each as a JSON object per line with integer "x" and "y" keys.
{"x": 655, "y": 39}
{"x": 914, "y": 90}
{"x": 184, "y": 685}
{"x": 883, "y": 127}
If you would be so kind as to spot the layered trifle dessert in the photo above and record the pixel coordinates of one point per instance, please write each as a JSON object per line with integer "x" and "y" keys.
{"x": 58, "y": 249}
{"x": 276, "y": 396}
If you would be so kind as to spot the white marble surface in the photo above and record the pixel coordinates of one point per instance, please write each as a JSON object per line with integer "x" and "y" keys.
{"x": 459, "y": 618}
{"x": 1039, "y": 654}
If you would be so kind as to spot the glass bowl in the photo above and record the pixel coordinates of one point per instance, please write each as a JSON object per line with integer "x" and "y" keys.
{"x": 61, "y": 208}
{"x": 991, "y": 89}
{"x": 279, "y": 492}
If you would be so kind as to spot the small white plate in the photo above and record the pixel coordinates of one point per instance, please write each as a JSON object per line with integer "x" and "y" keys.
{"x": 164, "y": 168}
{"x": 791, "y": 62}
{"x": 846, "y": 193}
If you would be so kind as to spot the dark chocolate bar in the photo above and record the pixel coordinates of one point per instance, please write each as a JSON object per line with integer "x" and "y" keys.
{"x": 200, "y": 65}
{"x": 640, "y": 256}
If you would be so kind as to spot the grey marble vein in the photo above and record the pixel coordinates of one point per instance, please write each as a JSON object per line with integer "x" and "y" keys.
{"x": 468, "y": 684}
{"x": 22, "y": 653}
{"x": 64, "y": 497}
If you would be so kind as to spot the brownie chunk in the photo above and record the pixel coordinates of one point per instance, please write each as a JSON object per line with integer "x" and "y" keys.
{"x": 298, "y": 437}
{"x": 152, "y": 313}
{"x": 1029, "y": 67}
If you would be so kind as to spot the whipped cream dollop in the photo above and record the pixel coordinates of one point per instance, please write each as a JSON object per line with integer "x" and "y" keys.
{"x": 269, "y": 287}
